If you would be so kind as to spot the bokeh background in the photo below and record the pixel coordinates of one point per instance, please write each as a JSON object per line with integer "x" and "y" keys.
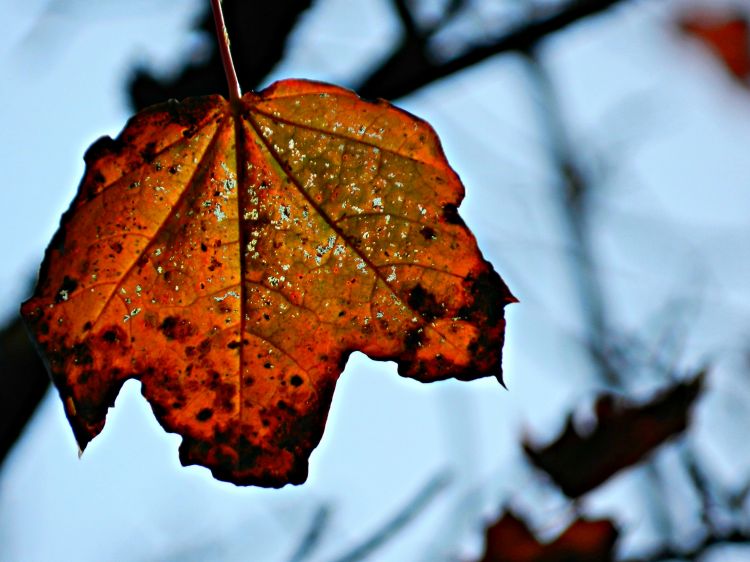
{"x": 605, "y": 148}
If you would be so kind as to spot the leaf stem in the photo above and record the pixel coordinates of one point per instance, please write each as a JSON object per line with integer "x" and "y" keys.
{"x": 226, "y": 56}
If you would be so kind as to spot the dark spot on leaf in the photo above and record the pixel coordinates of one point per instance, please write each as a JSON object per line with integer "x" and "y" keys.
{"x": 205, "y": 414}
{"x": 424, "y": 302}
{"x": 82, "y": 354}
{"x": 427, "y": 233}
{"x": 414, "y": 338}
{"x": 225, "y": 393}
{"x": 233, "y": 344}
{"x": 149, "y": 152}
{"x": 282, "y": 405}
{"x": 489, "y": 297}
{"x": 113, "y": 334}
{"x": 66, "y": 288}
{"x": 204, "y": 347}
{"x": 176, "y": 328}
{"x": 296, "y": 380}
{"x": 103, "y": 147}
{"x": 451, "y": 216}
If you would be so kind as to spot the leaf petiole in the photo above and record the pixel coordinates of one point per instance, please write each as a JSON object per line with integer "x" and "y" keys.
{"x": 226, "y": 56}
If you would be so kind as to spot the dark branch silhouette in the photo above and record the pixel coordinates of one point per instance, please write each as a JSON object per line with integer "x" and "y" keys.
{"x": 23, "y": 379}
{"x": 411, "y": 66}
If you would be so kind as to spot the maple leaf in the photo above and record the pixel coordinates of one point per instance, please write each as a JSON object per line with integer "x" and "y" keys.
{"x": 230, "y": 255}
{"x": 510, "y": 540}
{"x": 624, "y": 434}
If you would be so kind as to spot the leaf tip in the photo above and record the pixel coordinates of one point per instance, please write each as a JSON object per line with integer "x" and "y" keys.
{"x": 499, "y": 377}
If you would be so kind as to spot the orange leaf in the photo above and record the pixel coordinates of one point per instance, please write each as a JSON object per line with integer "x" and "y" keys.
{"x": 510, "y": 540}
{"x": 727, "y": 35}
{"x": 231, "y": 256}
{"x": 624, "y": 435}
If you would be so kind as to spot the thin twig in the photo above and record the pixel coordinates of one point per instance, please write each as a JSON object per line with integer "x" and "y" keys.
{"x": 314, "y": 533}
{"x": 695, "y": 553}
{"x": 392, "y": 80}
{"x": 575, "y": 211}
{"x": 222, "y": 36}
{"x": 407, "y": 18}
{"x": 398, "y": 522}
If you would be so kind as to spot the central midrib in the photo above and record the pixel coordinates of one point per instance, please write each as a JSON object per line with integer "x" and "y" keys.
{"x": 239, "y": 155}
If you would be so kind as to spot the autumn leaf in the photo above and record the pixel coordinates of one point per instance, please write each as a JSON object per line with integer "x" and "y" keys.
{"x": 510, "y": 540}
{"x": 231, "y": 255}
{"x": 728, "y": 37}
{"x": 624, "y": 434}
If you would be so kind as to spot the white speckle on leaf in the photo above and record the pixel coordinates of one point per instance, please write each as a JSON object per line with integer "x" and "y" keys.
{"x": 227, "y": 294}
{"x": 220, "y": 215}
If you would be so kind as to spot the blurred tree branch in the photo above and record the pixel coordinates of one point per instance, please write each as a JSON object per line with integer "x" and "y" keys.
{"x": 24, "y": 381}
{"x": 668, "y": 554}
{"x": 609, "y": 350}
{"x": 311, "y": 539}
{"x": 400, "y": 520}
{"x": 411, "y": 66}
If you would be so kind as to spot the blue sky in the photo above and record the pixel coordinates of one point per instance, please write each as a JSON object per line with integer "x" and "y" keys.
{"x": 670, "y": 131}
